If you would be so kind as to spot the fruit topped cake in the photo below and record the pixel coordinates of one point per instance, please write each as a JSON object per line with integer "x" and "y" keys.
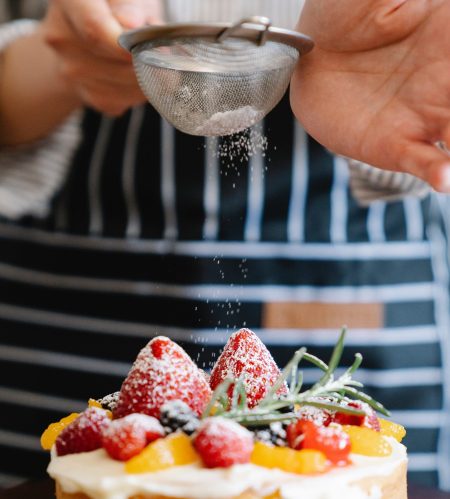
{"x": 246, "y": 431}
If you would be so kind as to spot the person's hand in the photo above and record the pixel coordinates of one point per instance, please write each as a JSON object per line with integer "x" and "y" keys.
{"x": 376, "y": 87}
{"x": 84, "y": 35}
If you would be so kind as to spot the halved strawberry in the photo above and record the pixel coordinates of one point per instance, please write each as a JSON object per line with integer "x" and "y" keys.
{"x": 163, "y": 371}
{"x": 331, "y": 440}
{"x": 369, "y": 420}
{"x": 126, "y": 437}
{"x": 222, "y": 443}
{"x": 84, "y": 434}
{"x": 246, "y": 357}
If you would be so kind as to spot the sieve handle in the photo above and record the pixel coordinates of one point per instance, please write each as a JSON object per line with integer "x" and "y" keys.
{"x": 264, "y": 22}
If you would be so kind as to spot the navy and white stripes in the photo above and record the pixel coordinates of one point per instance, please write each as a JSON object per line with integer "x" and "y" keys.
{"x": 152, "y": 232}
{"x": 77, "y": 303}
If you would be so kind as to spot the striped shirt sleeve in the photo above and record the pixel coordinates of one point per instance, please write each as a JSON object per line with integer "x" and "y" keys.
{"x": 31, "y": 174}
{"x": 369, "y": 184}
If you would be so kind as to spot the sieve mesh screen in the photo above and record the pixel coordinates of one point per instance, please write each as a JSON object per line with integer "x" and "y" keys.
{"x": 210, "y": 88}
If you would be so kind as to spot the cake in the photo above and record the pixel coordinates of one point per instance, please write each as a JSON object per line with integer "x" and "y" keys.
{"x": 246, "y": 431}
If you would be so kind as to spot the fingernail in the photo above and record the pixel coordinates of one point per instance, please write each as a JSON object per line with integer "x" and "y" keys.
{"x": 129, "y": 16}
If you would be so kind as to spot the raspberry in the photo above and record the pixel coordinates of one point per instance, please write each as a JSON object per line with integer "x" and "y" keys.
{"x": 128, "y": 436}
{"x": 246, "y": 357}
{"x": 162, "y": 372}
{"x": 222, "y": 442}
{"x": 369, "y": 420}
{"x": 332, "y": 441}
{"x": 84, "y": 434}
{"x": 317, "y": 415}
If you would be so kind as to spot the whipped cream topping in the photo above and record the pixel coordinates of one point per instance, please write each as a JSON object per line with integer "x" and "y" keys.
{"x": 100, "y": 477}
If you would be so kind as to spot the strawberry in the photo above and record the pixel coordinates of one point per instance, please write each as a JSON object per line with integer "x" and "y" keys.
{"x": 246, "y": 357}
{"x": 294, "y": 433}
{"x": 128, "y": 436}
{"x": 321, "y": 417}
{"x": 331, "y": 440}
{"x": 163, "y": 371}
{"x": 369, "y": 420}
{"x": 222, "y": 442}
{"x": 84, "y": 434}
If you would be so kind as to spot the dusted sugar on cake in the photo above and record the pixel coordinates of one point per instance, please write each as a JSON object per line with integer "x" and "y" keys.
{"x": 247, "y": 431}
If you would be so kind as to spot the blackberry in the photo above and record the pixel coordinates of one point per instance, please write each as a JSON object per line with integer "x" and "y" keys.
{"x": 109, "y": 402}
{"x": 176, "y": 415}
{"x": 274, "y": 434}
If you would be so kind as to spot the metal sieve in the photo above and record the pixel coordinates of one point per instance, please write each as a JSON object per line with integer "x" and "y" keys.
{"x": 215, "y": 79}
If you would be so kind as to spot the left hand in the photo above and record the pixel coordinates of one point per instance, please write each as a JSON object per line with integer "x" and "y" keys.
{"x": 83, "y": 35}
{"x": 376, "y": 87}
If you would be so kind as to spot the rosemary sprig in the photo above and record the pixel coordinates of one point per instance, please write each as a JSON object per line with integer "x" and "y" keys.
{"x": 219, "y": 392}
{"x": 290, "y": 370}
{"x": 328, "y": 392}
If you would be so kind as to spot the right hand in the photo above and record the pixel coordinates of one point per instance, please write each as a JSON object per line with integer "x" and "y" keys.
{"x": 83, "y": 34}
{"x": 376, "y": 87}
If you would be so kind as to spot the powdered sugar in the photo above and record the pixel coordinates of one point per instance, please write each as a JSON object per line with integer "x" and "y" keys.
{"x": 176, "y": 415}
{"x": 220, "y": 428}
{"x": 240, "y": 147}
{"x": 109, "y": 401}
{"x": 148, "y": 423}
{"x": 275, "y": 434}
{"x": 317, "y": 415}
{"x": 245, "y": 357}
{"x": 222, "y": 443}
{"x": 229, "y": 122}
{"x": 84, "y": 434}
{"x": 126, "y": 437}
{"x": 162, "y": 371}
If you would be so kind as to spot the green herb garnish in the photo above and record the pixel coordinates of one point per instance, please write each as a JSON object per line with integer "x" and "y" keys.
{"x": 329, "y": 392}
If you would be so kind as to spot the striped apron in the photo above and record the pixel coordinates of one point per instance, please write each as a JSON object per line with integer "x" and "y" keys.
{"x": 154, "y": 233}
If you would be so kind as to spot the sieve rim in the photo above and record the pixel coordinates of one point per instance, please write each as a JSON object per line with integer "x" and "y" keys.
{"x": 132, "y": 38}
{"x": 148, "y": 58}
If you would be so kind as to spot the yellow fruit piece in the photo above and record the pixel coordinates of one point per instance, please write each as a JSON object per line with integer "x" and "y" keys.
{"x": 367, "y": 442}
{"x": 391, "y": 429}
{"x": 48, "y": 438}
{"x": 94, "y": 403}
{"x": 304, "y": 462}
{"x": 174, "y": 450}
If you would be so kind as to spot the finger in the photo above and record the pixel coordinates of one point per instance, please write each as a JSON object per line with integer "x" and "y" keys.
{"x": 129, "y": 13}
{"x": 95, "y": 24}
{"x": 398, "y": 18}
{"x": 78, "y": 64}
{"x": 155, "y": 11}
{"x": 446, "y": 137}
{"x": 110, "y": 101}
{"x": 63, "y": 36}
{"x": 122, "y": 91}
{"x": 427, "y": 162}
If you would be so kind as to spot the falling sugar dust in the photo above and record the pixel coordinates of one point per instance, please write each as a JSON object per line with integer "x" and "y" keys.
{"x": 221, "y": 313}
{"x": 238, "y": 148}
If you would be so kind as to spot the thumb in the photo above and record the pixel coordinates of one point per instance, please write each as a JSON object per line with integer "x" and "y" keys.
{"x": 129, "y": 13}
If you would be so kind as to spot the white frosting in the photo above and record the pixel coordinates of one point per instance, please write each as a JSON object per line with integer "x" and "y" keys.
{"x": 100, "y": 477}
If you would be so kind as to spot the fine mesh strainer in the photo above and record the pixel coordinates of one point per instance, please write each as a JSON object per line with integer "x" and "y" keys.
{"x": 215, "y": 79}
